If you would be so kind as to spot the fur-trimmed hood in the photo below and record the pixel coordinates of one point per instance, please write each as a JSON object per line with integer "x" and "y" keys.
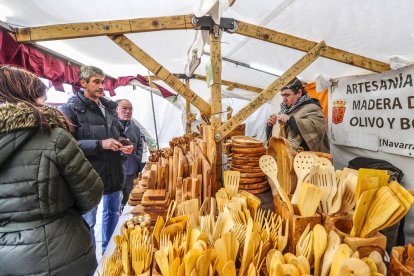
{"x": 20, "y": 116}
{"x": 18, "y": 124}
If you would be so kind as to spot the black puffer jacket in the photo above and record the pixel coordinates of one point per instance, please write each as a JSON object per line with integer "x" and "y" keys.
{"x": 91, "y": 127}
{"x": 45, "y": 184}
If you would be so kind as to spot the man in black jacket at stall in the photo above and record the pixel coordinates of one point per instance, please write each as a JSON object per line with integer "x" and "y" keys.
{"x": 132, "y": 164}
{"x": 97, "y": 130}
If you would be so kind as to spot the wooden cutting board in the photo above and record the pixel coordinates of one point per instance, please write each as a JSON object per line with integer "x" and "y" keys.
{"x": 152, "y": 194}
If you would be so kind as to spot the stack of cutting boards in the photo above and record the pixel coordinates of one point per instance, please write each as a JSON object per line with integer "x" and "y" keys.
{"x": 140, "y": 186}
{"x": 245, "y": 155}
{"x": 155, "y": 202}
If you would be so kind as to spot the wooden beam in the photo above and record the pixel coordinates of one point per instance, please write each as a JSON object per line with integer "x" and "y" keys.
{"x": 182, "y": 22}
{"x": 157, "y": 69}
{"x": 304, "y": 45}
{"x": 214, "y": 155}
{"x": 270, "y": 91}
{"x": 230, "y": 84}
{"x": 112, "y": 27}
{"x": 215, "y": 58}
{"x": 234, "y": 84}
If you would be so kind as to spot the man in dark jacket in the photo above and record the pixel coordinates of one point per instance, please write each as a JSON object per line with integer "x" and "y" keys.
{"x": 132, "y": 164}
{"x": 97, "y": 130}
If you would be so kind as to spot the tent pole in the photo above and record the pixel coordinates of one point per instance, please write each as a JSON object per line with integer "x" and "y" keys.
{"x": 153, "y": 115}
{"x": 187, "y": 111}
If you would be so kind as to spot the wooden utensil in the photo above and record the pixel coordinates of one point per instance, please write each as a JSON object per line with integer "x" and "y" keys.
{"x": 281, "y": 150}
{"x": 341, "y": 254}
{"x": 229, "y": 269}
{"x": 231, "y": 181}
{"x": 162, "y": 260}
{"x": 320, "y": 240}
{"x": 333, "y": 243}
{"x": 269, "y": 167}
{"x": 302, "y": 164}
{"x": 309, "y": 199}
{"x": 348, "y": 198}
{"x": 354, "y": 267}
{"x": 361, "y": 210}
{"x": 380, "y": 210}
{"x": 327, "y": 183}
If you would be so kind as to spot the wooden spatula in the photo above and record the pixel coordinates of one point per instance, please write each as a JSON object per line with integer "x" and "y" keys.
{"x": 361, "y": 210}
{"x": 302, "y": 164}
{"x": 269, "y": 167}
{"x": 380, "y": 210}
{"x": 320, "y": 240}
{"x": 309, "y": 199}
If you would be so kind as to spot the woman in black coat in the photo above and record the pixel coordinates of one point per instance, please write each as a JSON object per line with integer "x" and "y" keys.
{"x": 45, "y": 184}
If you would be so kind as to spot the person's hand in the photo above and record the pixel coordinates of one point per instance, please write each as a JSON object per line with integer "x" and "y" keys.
{"x": 272, "y": 120}
{"x": 127, "y": 149}
{"x": 111, "y": 144}
{"x": 283, "y": 118}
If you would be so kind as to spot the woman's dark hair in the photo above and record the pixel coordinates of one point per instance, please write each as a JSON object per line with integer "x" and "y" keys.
{"x": 295, "y": 85}
{"x": 20, "y": 86}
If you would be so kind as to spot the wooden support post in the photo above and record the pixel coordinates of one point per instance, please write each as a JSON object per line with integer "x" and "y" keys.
{"x": 214, "y": 156}
{"x": 304, "y": 45}
{"x": 112, "y": 27}
{"x": 270, "y": 91}
{"x": 157, "y": 69}
{"x": 188, "y": 117}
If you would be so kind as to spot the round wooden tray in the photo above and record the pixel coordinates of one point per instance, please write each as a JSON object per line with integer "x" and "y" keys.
{"x": 257, "y": 185}
{"x": 237, "y": 145}
{"x": 246, "y": 169}
{"x": 261, "y": 151}
{"x": 245, "y": 140}
{"x": 256, "y": 191}
{"x": 251, "y": 180}
{"x": 246, "y": 156}
{"x": 251, "y": 175}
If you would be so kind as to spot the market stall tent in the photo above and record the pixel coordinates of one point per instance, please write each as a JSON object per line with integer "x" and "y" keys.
{"x": 377, "y": 30}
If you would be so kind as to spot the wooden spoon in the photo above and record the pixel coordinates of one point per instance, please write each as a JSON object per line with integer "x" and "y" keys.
{"x": 333, "y": 243}
{"x": 320, "y": 240}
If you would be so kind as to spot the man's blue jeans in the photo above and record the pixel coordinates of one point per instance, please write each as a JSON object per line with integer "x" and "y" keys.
{"x": 110, "y": 215}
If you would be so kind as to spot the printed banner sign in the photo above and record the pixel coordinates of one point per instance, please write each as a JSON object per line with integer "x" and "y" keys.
{"x": 374, "y": 111}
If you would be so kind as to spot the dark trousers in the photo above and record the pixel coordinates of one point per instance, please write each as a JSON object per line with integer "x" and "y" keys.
{"x": 127, "y": 188}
